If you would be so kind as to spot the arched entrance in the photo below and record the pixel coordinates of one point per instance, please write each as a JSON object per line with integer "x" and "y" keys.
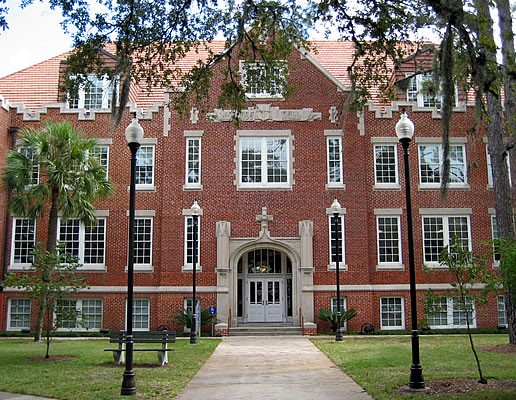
{"x": 264, "y": 286}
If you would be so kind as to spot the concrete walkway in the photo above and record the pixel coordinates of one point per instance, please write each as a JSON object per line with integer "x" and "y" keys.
{"x": 282, "y": 367}
{"x": 12, "y": 396}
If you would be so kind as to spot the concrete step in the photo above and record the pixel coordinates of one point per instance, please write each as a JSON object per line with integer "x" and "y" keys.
{"x": 265, "y": 330}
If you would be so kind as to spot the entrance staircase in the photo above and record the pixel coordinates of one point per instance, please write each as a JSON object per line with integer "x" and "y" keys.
{"x": 279, "y": 329}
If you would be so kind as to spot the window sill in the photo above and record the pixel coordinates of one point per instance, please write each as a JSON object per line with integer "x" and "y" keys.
{"x": 390, "y": 267}
{"x": 189, "y": 268}
{"x": 342, "y": 267}
{"x": 142, "y": 268}
{"x": 340, "y": 186}
{"x": 191, "y": 186}
{"x": 392, "y": 328}
{"x": 437, "y": 186}
{"x": 145, "y": 188}
{"x": 92, "y": 268}
{"x": 387, "y": 186}
{"x": 19, "y": 267}
{"x": 264, "y": 187}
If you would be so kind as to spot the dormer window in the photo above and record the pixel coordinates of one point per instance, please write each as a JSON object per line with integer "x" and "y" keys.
{"x": 263, "y": 80}
{"x": 424, "y": 90}
{"x": 93, "y": 94}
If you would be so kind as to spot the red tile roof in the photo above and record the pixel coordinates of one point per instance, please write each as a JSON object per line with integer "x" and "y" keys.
{"x": 38, "y": 85}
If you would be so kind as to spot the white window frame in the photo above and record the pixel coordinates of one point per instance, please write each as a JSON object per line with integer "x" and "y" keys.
{"x": 135, "y": 314}
{"x": 27, "y": 152}
{"x": 107, "y": 92}
{"x": 79, "y": 305}
{"x": 332, "y": 266}
{"x": 388, "y": 309}
{"x": 26, "y": 317}
{"x": 502, "y": 311}
{"x": 335, "y": 158}
{"x": 139, "y": 217}
{"x": 495, "y": 235}
{"x": 415, "y": 93}
{"x": 26, "y": 265}
{"x": 280, "y": 68}
{"x": 188, "y": 245}
{"x": 343, "y": 308}
{"x": 147, "y": 186}
{"x": 455, "y": 142}
{"x": 101, "y": 153}
{"x": 190, "y": 159}
{"x": 82, "y": 242}
{"x": 263, "y": 137}
{"x": 450, "y": 313}
{"x": 445, "y": 237}
{"x": 391, "y": 214}
{"x": 377, "y": 145}
{"x": 490, "y": 169}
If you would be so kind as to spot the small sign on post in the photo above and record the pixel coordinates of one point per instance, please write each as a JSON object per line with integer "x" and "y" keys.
{"x": 213, "y": 312}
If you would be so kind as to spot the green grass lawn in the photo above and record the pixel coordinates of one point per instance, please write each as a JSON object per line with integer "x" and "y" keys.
{"x": 382, "y": 364}
{"x": 89, "y": 373}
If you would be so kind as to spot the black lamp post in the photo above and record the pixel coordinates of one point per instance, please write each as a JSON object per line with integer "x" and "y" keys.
{"x": 405, "y": 131}
{"x": 195, "y": 223}
{"x": 335, "y": 207}
{"x": 133, "y": 135}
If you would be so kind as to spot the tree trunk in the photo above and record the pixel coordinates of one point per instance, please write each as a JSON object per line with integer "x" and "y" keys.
{"x": 50, "y": 247}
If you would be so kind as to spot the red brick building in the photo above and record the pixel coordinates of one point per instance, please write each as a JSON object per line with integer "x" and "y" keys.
{"x": 265, "y": 188}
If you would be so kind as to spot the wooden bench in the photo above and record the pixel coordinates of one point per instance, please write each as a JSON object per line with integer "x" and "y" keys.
{"x": 155, "y": 337}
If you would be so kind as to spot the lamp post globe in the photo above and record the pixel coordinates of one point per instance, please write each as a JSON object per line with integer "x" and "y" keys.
{"x": 335, "y": 209}
{"x": 405, "y": 132}
{"x": 134, "y": 135}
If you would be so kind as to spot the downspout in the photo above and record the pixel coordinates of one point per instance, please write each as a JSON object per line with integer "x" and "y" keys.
{"x": 13, "y": 131}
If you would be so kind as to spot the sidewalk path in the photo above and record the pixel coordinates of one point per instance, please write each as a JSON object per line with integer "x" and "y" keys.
{"x": 12, "y": 396}
{"x": 282, "y": 367}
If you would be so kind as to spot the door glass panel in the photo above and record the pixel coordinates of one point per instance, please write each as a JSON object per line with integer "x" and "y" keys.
{"x": 259, "y": 294}
{"x": 276, "y": 292}
{"x": 252, "y": 292}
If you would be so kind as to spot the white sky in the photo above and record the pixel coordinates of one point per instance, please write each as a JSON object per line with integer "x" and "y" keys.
{"x": 34, "y": 35}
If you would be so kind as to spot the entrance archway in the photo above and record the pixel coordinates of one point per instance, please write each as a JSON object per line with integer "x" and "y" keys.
{"x": 264, "y": 286}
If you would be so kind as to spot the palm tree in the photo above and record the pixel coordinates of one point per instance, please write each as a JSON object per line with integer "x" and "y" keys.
{"x": 55, "y": 168}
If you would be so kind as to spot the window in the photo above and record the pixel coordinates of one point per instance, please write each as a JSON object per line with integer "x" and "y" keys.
{"x": 189, "y": 244}
{"x": 141, "y": 315}
{"x": 23, "y": 242}
{"x": 79, "y": 314}
{"x": 86, "y": 242}
{"x": 502, "y": 311}
{"x": 145, "y": 167}
{"x": 424, "y": 90}
{"x": 439, "y": 231}
{"x": 490, "y": 169}
{"x": 27, "y": 152}
{"x": 95, "y": 93}
{"x": 19, "y": 314}
{"x": 385, "y": 165}
{"x": 264, "y": 80}
{"x": 431, "y": 161}
{"x": 392, "y": 313}
{"x": 193, "y": 161}
{"x": 337, "y": 238}
{"x": 389, "y": 241}
{"x": 449, "y": 312}
{"x": 264, "y": 162}
{"x": 142, "y": 243}
{"x": 101, "y": 153}
{"x": 334, "y": 154}
{"x": 495, "y": 236}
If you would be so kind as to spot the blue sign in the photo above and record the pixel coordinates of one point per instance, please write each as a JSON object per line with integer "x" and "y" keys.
{"x": 213, "y": 310}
